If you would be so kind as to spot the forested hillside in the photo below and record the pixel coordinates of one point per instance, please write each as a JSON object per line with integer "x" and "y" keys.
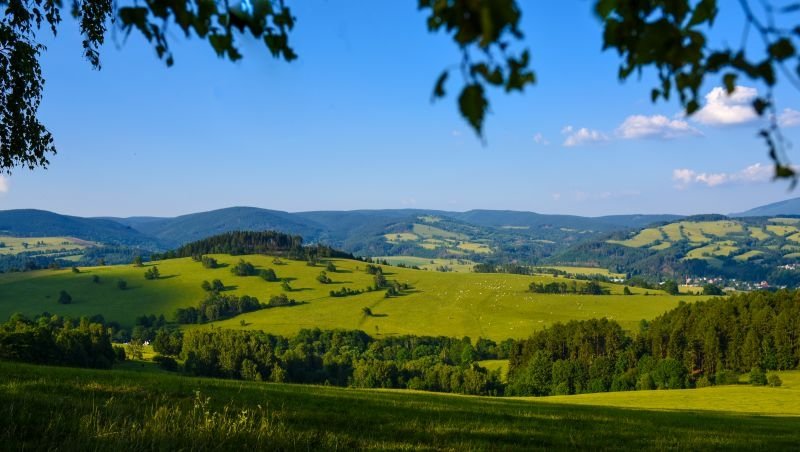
{"x": 712, "y": 246}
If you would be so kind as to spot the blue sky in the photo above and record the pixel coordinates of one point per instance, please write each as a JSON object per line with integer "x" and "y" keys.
{"x": 350, "y": 125}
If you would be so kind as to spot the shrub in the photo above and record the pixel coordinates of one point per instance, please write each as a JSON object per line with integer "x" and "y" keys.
{"x": 702, "y": 382}
{"x": 244, "y": 269}
{"x": 119, "y": 353}
{"x": 774, "y": 380}
{"x": 726, "y": 377}
{"x": 280, "y": 300}
{"x": 64, "y": 297}
{"x": 152, "y": 273}
{"x": 95, "y": 279}
{"x": 367, "y": 311}
{"x": 209, "y": 262}
{"x": 268, "y": 275}
{"x": 75, "y": 270}
{"x": 330, "y": 267}
{"x": 122, "y": 284}
{"x": 166, "y": 363}
{"x": 758, "y": 377}
{"x": 323, "y": 278}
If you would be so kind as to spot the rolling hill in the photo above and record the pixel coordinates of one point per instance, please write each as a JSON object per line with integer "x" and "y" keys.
{"x": 496, "y": 306}
{"x": 787, "y": 207}
{"x": 139, "y": 408}
{"x": 747, "y": 249}
{"x": 40, "y": 223}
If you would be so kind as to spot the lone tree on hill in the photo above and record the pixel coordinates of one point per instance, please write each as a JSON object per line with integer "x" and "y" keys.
{"x": 152, "y": 273}
{"x": 64, "y": 297}
{"x": 670, "y": 38}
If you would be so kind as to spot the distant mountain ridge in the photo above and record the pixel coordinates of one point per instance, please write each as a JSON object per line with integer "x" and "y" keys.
{"x": 788, "y": 207}
{"x": 33, "y": 223}
{"x": 353, "y": 230}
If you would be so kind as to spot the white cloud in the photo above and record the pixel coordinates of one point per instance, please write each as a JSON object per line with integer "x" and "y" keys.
{"x": 789, "y": 118}
{"x": 556, "y": 196}
{"x": 657, "y": 127}
{"x": 538, "y": 138}
{"x": 4, "y": 184}
{"x": 724, "y": 110}
{"x": 755, "y": 173}
{"x": 578, "y": 137}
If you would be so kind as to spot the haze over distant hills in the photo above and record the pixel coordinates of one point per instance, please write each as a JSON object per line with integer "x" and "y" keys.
{"x": 339, "y": 228}
{"x": 498, "y": 236}
{"x": 786, "y": 207}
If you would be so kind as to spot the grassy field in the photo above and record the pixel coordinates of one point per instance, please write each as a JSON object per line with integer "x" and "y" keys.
{"x": 713, "y": 240}
{"x": 127, "y": 410}
{"x": 45, "y": 245}
{"x": 587, "y": 271}
{"x": 742, "y": 398}
{"x": 495, "y": 306}
{"x": 455, "y": 265}
{"x": 430, "y": 237}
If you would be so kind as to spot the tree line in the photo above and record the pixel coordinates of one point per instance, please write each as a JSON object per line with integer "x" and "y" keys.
{"x": 53, "y": 340}
{"x": 694, "y": 345}
{"x": 562, "y": 287}
{"x": 254, "y": 242}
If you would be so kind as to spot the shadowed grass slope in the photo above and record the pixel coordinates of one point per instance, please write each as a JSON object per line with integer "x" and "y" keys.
{"x": 74, "y": 409}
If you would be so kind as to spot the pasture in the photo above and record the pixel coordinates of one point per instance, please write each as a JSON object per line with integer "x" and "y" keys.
{"x": 586, "y": 271}
{"x": 126, "y": 410}
{"x": 496, "y": 306}
{"x": 741, "y": 398}
{"x": 40, "y": 245}
{"x": 455, "y": 265}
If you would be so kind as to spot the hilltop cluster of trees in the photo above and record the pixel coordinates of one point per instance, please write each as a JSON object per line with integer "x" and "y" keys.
{"x": 344, "y": 358}
{"x": 697, "y": 344}
{"x": 54, "y": 340}
{"x": 252, "y": 242}
{"x": 562, "y": 287}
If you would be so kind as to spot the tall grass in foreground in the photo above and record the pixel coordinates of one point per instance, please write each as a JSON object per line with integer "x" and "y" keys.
{"x": 47, "y": 408}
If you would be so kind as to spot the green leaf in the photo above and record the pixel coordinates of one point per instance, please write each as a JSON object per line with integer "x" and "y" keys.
{"x": 781, "y": 49}
{"x": 603, "y": 8}
{"x": 760, "y": 105}
{"x": 473, "y": 105}
{"x": 729, "y": 80}
{"x": 438, "y": 89}
{"x": 705, "y": 11}
{"x": 654, "y": 95}
{"x": 495, "y": 77}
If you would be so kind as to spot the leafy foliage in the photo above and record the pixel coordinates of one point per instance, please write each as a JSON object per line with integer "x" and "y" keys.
{"x": 55, "y": 340}
{"x": 671, "y": 38}
{"x": 710, "y": 341}
{"x": 666, "y": 35}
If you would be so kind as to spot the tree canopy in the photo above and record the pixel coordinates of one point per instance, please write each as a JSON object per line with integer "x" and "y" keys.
{"x": 668, "y": 37}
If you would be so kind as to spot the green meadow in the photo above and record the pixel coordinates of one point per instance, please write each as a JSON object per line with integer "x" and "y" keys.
{"x": 741, "y": 398}
{"x": 586, "y": 271}
{"x": 495, "y": 306}
{"x": 455, "y": 265}
{"x": 42, "y": 245}
{"x": 129, "y": 410}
